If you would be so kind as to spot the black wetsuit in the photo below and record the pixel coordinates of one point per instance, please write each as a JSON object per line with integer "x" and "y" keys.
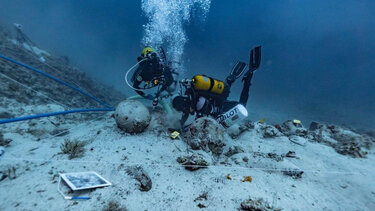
{"x": 149, "y": 70}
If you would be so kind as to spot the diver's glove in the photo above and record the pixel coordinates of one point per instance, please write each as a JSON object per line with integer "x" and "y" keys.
{"x": 149, "y": 97}
{"x": 230, "y": 79}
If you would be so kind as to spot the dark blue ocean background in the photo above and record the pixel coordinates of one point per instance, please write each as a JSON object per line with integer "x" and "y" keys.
{"x": 318, "y": 56}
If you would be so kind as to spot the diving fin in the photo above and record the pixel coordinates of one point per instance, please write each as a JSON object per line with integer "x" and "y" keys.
{"x": 238, "y": 69}
{"x": 255, "y": 58}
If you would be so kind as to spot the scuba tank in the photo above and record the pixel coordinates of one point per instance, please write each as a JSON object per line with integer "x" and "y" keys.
{"x": 207, "y": 84}
{"x": 232, "y": 116}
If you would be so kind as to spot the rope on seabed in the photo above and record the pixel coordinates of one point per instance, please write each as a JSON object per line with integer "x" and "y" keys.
{"x": 174, "y": 165}
{"x": 27, "y": 87}
{"x": 55, "y": 79}
{"x": 35, "y": 55}
{"x": 4, "y": 121}
{"x": 55, "y": 69}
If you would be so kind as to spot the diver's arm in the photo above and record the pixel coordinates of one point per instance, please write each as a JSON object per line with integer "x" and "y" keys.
{"x": 166, "y": 81}
{"x": 246, "y": 88}
{"x": 137, "y": 79}
{"x": 162, "y": 88}
{"x": 136, "y": 86}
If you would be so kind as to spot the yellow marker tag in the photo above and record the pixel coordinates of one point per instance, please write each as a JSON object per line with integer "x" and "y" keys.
{"x": 175, "y": 134}
{"x": 262, "y": 120}
{"x": 296, "y": 121}
{"x": 247, "y": 179}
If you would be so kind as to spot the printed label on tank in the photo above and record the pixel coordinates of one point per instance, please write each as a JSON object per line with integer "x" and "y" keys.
{"x": 228, "y": 115}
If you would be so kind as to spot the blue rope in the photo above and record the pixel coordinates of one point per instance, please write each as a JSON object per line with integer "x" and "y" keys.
{"x": 4, "y": 121}
{"x": 108, "y": 107}
{"x": 56, "y": 79}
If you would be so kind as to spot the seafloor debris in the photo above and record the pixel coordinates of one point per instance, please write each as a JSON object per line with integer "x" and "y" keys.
{"x": 8, "y": 171}
{"x": 3, "y": 176}
{"x": 2, "y": 151}
{"x": 295, "y": 131}
{"x": 12, "y": 172}
{"x": 344, "y": 141}
{"x": 206, "y": 134}
{"x": 268, "y": 131}
{"x": 233, "y": 150}
{"x": 229, "y": 177}
{"x": 291, "y": 154}
{"x": 314, "y": 126}
{"x": 247, "y": 179}
{"x": 275, "y": 156}
{"x": 298, "y": 140}
{"x": 293, "y": 172}
{"x": 200, "y": 205}
{"x": 270, "y": 155}
{"x": 59, "y": 132}
{"x": 257, "y": 205}
{"x": 74, "y": 148}
{"x": 5, "y": 115}
{"x": 113, "y": 206}
{"x": 4, "y": 141}
{"x": 203, "y": 197}
{"x": 236, "y": 130}
{"x": 132, "y": 116}
{"x": 193, "y": 162}
{"x": 293, "y": 127}
{"x": 145, "y": 182}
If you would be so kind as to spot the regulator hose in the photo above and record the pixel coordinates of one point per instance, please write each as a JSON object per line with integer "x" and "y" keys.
{"x": 127, "y": 73}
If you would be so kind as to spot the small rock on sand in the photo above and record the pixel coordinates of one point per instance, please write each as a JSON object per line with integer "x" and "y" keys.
{"x": 145, "y": 183}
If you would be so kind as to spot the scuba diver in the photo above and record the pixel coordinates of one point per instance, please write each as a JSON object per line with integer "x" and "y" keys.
{"x": 153, "y": 71}
{"x": 206, "y": 96}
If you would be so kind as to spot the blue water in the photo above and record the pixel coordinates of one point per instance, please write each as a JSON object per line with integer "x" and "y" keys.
{"x": 317, "y": 55}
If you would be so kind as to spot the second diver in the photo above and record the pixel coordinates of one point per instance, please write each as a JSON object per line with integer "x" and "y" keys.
{"x": 153, "y": 71}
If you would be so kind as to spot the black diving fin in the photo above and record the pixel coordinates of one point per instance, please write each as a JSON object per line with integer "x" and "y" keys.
{"x": 238, "y": 69}
{"x": 255, "y": 59}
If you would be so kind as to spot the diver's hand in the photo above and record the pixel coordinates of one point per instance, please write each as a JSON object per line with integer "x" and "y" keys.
{"x": 149, "y": 97}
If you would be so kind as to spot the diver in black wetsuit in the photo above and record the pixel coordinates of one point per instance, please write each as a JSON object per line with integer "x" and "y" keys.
{"x": 205, "y": 96}
{"x": 153, "y": 72}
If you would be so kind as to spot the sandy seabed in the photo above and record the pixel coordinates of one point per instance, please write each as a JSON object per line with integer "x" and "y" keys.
{"x": 330, "y": 181}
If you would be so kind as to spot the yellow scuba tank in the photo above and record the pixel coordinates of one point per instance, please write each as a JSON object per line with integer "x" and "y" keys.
{"x": 208, "y": 84}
